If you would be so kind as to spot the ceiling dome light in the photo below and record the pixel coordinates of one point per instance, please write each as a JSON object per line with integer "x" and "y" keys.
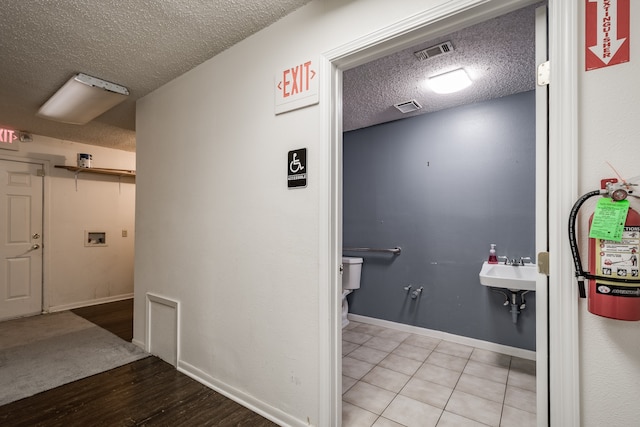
{"x": 449, "y": 82}
{"x": 81, "y": 99}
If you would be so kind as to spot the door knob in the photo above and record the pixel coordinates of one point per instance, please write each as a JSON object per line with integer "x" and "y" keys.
{"x": 35, "y": 246}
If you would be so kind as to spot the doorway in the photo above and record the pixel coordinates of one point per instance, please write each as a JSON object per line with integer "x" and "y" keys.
{"x": 374, "y": 48}
{"x": 21, "y": 192}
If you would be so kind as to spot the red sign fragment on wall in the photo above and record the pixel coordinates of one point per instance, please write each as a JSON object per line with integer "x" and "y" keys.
{"x": 606, "y": 33}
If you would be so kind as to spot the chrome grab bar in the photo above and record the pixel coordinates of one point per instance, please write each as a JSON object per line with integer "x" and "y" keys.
{"x": 396, "y": 251}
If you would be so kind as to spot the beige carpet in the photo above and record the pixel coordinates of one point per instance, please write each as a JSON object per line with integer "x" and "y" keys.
{"x": 42, "y": 352}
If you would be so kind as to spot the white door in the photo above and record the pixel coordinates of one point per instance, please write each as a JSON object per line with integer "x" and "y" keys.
{"x": 21, "y": 189}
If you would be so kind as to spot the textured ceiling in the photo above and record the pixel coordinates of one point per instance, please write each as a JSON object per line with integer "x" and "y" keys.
{"x": 139, "y": 44}
{"x": 498, "y": 55}
{"x": 143, "y": 44}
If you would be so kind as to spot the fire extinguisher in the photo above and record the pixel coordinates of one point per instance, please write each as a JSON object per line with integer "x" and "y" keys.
{"x": 614, "y": 284}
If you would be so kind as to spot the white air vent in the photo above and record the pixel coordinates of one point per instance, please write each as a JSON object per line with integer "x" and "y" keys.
{"x": 432, "y": 51}
{"x": 408, "y": 106}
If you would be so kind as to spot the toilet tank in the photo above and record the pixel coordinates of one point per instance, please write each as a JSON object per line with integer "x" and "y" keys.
{"x": 352, "y": 268}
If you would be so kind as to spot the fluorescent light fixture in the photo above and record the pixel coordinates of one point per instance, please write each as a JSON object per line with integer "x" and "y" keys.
{"x": 449, "y": 82}
{"x": 82, "y": 99}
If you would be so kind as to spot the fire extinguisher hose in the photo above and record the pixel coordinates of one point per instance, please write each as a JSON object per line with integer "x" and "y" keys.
{"x": 573, "y": 242}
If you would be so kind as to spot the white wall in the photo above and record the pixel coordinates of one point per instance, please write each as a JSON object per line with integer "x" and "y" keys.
{"x": 609, "y": 131}
{"x": 76, "y": 275}
{"x": 217, "y": 228}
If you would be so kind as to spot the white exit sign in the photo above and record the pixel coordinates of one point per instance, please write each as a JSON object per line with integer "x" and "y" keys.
{"x": 296, "y": 86}
{"x": 9, "y": 139}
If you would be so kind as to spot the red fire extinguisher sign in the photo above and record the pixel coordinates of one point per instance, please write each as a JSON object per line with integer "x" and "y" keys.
{"x": 618, "y": 298}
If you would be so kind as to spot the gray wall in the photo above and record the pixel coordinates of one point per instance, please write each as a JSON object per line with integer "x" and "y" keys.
{"x": 443, "y": 186}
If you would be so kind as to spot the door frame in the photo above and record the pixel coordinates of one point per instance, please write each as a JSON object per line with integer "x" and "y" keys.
{"x": 562, "y": 368}
{"x": 46, "y": 165}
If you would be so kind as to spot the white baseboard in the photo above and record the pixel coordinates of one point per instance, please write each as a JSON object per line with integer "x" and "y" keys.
{"x": 250, "y": 402}
{"x": 89, "y": 303}
{"x": 485, "y": 345}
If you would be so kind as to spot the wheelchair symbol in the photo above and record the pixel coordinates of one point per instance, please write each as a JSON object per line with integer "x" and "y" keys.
{"x": 295, "y": 166}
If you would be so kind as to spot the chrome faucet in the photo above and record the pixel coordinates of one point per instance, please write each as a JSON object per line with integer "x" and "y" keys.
{"x": 515, "y": 262}
{"x": 525, "y": 258}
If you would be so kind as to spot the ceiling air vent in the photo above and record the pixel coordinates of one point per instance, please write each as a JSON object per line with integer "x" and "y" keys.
{"x": 432, "y": 51}
{"x": 408, "y": 106}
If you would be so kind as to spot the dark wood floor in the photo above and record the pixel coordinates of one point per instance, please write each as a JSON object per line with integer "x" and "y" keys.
{"x": 148, "y": 392}
{"x": 115, "y": 317}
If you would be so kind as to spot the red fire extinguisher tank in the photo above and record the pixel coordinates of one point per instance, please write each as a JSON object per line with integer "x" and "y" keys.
{"x": 616, "y": 299}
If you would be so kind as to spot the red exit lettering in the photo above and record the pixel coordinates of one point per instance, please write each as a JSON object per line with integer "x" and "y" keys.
{"x": 296, "y": 79}
{"x": 8, "y": 136}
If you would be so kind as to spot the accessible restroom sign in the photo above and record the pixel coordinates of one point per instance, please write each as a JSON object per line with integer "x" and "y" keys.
{"x": 296, "y": 86}
{"x": 297, "y": 168}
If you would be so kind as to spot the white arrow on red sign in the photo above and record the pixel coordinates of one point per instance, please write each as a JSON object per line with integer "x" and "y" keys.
{"x": 607, "y": 31}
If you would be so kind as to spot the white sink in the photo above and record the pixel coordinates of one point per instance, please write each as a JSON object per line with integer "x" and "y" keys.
{"x": 513, "y": 277}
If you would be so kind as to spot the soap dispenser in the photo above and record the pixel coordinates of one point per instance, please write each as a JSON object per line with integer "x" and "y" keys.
{"x": 493, "y": 259}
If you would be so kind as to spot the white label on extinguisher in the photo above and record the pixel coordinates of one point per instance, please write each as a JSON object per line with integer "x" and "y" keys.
{"x": 619, "y": 259}
{"x": 618, "y": 291}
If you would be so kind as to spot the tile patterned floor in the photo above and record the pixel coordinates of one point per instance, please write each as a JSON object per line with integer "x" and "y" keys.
{"x": 394, "y": 379}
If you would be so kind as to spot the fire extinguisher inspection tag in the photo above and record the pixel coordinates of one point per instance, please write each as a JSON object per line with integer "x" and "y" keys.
{"x": 608, "y": 219}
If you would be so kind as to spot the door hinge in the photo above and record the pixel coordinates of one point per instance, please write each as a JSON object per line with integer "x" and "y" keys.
{"x": 543, "y": 263}
{"x": 543, "y": 74}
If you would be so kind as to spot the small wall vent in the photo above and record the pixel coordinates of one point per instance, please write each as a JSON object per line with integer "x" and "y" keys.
{"x": 408, "y": 106}
{"x": 432, "y": 51}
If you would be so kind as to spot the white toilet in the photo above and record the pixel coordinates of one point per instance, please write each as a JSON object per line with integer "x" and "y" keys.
{"x": 352, "y": 269}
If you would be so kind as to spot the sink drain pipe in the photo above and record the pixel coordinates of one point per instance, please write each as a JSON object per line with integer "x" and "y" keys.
{"x": 515, "y": 307}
